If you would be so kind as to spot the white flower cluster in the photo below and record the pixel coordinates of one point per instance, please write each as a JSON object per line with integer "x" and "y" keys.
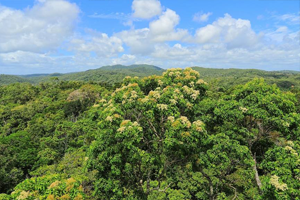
{"x": 173, "y": 101}
{"x": 185, "y": 121}
{"x": 121, "y": 129}
{"x": 198, "y": 125}
{"x": 279, "y": 186}
{"x": 171, "y": 118}
{"x": 160, "y": 83}
{"x": 134, "y": 94}
{"x": 189, "y": 105}
{"x": 190, "y": 91}
{"x": 290, "y": 143}
{"x": 154, "y": 94}
{"x": 291, "y": 150}
{"x": 200, "y": 81}
{"x": 126, "y": 87}
{"x": 177, "y": 91}
{"x": 109, "y": 118}
{"x": 173, "y": 71}
{"x": 243, "y": 109}
{"x": 162, "y": 107}
{"x": 187, "y": 90}
{"x": 125, "y": 123}
{"x": 135, "y": 124}
{"x": 145, "y": 99}
{"x": 195, "y": 94}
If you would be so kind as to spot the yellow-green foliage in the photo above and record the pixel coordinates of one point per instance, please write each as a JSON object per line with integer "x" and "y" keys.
{"x": 172, "y": 136}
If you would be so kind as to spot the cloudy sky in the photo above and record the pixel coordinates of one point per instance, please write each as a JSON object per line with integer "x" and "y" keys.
{"x": 46, "y": 36}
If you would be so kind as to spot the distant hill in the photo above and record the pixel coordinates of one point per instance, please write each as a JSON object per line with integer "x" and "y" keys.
{"x": 33, "y": 75}
{"x": 8, "y": 79}
{"x": 109, "y": 74}
{"x": 116, "y": 73}
{"x": 209, "y": 72}
{"x": 131, "y": 67}
{"x": 228, "y": 77}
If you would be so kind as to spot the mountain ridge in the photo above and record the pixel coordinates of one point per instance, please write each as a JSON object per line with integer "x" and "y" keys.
{"x": 112, "y": 74}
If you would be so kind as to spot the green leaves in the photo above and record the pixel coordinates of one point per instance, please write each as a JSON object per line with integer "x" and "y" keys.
{"x": 153, "y": 136}
{"x": 282, "y": 170}
{"x": 160, "y": 137}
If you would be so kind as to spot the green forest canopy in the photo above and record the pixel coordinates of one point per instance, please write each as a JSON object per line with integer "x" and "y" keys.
{"x": 172, "y": 136}
{"x": 116, "y": 73}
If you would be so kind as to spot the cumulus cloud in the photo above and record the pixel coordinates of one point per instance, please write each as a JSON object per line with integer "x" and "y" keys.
{"x": 217, "y": 55}
{"x": 24, "y": 57}
{"x": 125, "y": 59}
{"x": 208, "y": 34}
{"x": 201, "y": 17}
{"x": 29, "y": 62}
{"x": 146, "y": 9}
{"x": 99, "y": 43}
{"x": 170, "y": 52}
{"x": 163, "y": 29}
{"x": 137, "y": 40}
{"x": 143, "y": 41}
{"x": 235, "y": 33}
{"x": 165, "y": 24}
{"x": 40, "y": 28}
{"x": 28, "y": 36}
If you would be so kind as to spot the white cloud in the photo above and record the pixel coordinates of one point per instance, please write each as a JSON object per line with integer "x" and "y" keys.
{"x": 200, "y": 17}
{"x": 163, "y": 55}
{"x": 146, "y": 9}
{"x": 163, "y": 29}
{"x": 217, "y": 55}
{"x": 282, "y": 29}
{"x": 22, "y": 62}
{"x": 176, "y": 51}
{"x": 283, "y": 38}
{"x": 165, "y": 24}
{"x": 24, "y": 57}
{"x": 125, "y": 59}
{"x": 137, "y": 40}
{"x": 235, "y": 33}
{"x": 99, "y": 43}
{"x": 28, "y": 36}
{"x": 292, "y": 18}
{"x": 208, "y": 34}
{"x": 38, "y": 29}
{"x": 276, "y": 35}
{"x": 118, "y": 16}
{"x": 143, "y": 41}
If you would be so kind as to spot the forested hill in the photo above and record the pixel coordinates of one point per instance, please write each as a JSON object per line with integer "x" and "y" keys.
{"x": 135, "y": 67}
{"x": 8, "y": 79}
{"x": 108, "y": 74}
{"x": 229, "y": 77}
{"x": 116, "y": 73}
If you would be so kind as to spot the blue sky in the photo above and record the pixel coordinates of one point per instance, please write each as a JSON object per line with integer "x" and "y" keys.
{"x": 46, "y": 36}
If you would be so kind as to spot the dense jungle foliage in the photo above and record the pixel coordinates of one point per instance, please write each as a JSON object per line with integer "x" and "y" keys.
{"x": 173, "y": 136}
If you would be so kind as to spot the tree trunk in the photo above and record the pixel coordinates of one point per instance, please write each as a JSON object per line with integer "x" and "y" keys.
{"x": 258, "y": 182}
{"x": 211, "y": 190}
